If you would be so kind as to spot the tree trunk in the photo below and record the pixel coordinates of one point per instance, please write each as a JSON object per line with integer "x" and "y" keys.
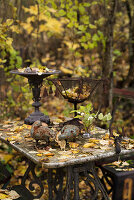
{"x": 107, "y": 63}
{"x": 130, "y": 76}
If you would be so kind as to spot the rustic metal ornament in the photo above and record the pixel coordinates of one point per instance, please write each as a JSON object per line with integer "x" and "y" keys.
{"x": 69, "y": 132}
{"x": 76, "y": 90}
{"x": 40, "y": 132}
{"x": 35, "y": 81}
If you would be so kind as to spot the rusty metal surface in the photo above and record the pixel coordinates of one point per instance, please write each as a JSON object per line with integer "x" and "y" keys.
{"x": 53, "y": 157}
{"x": 35, "y": 81}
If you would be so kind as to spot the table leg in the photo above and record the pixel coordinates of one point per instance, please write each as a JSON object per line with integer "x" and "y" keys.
{"x": 76, "y": 184}
{"x": 50, "y": 184}
{"x": 92, "y": 180}
{"x": 69, "y": 183}
{"x": 55, "y": 183}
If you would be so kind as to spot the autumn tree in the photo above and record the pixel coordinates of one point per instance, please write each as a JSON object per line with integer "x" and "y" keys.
{"x": 130, "y": 12}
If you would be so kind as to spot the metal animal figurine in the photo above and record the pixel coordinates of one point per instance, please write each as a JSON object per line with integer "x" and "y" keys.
{"x": 69, "y": 132}
{"x": 117, "y": 139}
{"x": 40, "y": 132}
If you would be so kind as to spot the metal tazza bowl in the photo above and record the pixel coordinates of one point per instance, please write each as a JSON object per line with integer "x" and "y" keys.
{"x": 35, "y": 81}
{"x": 76, "y": 90}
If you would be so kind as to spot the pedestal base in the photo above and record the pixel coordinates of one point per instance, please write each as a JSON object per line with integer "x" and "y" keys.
{"x": 37, "y": 116}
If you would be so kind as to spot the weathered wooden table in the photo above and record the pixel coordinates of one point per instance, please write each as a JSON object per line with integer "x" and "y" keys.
{"x": 65, "y": 168}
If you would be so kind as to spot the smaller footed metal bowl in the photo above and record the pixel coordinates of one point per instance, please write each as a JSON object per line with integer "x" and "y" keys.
{"x": 76, "y": 90}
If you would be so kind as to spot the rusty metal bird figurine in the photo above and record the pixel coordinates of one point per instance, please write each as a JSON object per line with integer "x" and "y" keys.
{"x": 69, "y": 132}
{"x": 40, "y": 132}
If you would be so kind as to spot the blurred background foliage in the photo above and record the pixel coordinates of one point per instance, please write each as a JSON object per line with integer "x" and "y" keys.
{"x": 80, "y": 37}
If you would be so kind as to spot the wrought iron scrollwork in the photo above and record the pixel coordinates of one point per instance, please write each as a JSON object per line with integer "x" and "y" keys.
{"x": 36, "y": 180}
{"x": 55, "y": 184}
{"x": 87, "y": 172}
{"x": 107, "y": 181}
{"x": 92, "y": 180}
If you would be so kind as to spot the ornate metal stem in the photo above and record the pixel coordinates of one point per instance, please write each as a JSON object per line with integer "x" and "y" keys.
{"x": 36, "y": 84}
{"x": 75, "y": 108}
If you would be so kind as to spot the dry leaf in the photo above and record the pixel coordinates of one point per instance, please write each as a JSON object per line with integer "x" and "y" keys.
{"x": 73, "y": 144}
{"x": 39, "y": 154}
{"x": 14, "y": 194}
{"x": 75, "y": 151}
{"x": 124, "y": 142}
{"x": 8, "y": 195}
{"x": 26, "y": 126}
{"x": 89, "y": 145}
{"x": 18, "y": 128}
{"x": 48, "y": 154}
{"x": 106, "y": 136}
{"x": 93, "y": 140}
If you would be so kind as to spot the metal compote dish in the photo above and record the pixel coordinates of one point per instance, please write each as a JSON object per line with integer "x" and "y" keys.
{"x": 76, "y": 90}
{"x": 35, "y": 80}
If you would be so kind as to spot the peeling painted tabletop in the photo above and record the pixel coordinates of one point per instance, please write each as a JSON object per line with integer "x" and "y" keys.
{"x": 98, "y": 147}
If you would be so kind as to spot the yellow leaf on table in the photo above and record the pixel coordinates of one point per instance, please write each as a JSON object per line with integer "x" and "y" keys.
{"x": 75, "y": 151}
{"x": 39, "y": 154}
{"x": 18, "y": 128}
{"x": 93, "y": 140}
{"x": 48, "y": 154}
{"x": 106, "y": 136}
{"x": 26, "y": 126}
{"x": 73, "y": 144}
{"x": 124, "y": 142}
{"x": 89, "y": 145}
